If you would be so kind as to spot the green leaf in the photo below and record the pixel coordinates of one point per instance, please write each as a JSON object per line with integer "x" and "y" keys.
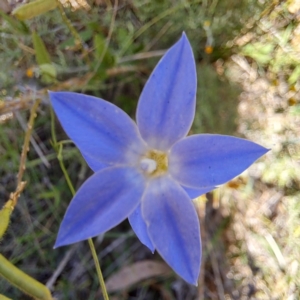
{"x": 23, "y": 281}
{"x": 33, "y": 9}
{"x": 41, "y": 54}
{"x": 286, "y": 35}
{"x": 2, "y": 297}
{"x": 16, "y": 25}
{"x": 260, "y": 52}
{"x": 109, "y": 59}
{"x": 48, "y": 73}
{"x": 84, "y": 35}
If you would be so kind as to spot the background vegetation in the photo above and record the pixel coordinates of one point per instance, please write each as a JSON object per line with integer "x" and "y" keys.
{"x": 248, "y": 61}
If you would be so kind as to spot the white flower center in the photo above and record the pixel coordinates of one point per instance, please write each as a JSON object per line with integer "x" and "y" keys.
{"x": 148, "y": 165}
{"x": 154, "y": 163}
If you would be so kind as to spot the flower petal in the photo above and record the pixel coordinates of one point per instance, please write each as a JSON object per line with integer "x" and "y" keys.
{"x": 194, "y": 193}
{"x": 205, "y": 160}
{"x": 99, "y": 129}
{"x": 140, "y": 228}
{"x": 101, "y": 203}
{"x": 94, "y": 163}
{"x": 166, "y": 107}
{"x": 173, "y": 226}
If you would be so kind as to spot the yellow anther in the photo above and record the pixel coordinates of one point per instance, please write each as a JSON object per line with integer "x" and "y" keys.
{"x": 154, "y": 163}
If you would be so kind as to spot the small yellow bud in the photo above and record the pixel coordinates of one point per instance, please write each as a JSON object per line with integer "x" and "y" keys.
{"x": 29, "y": 73}
{"x": 208, "y": 49}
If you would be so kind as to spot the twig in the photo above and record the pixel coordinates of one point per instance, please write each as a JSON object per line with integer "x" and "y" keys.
{"x": 33, "y": 142}
{"x": 200, "y": 204}
{"x": 143, "y": 55}
{"x": 164, "y": 29}
{"x": 60, "y": 268}
{"x": 21, "y": 184}
{"x": 218, "y": 280}
{"x": 13, "y": 197}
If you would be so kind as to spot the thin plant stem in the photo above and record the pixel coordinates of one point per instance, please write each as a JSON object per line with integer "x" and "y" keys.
{"x": 99, "y": 272}
{"x": 110, "y": 32}
{"x": 59, "y": 147}
{"x": 64, "y": 170}
{"x": 146, "y": 26}
{"x": 78, "y": 40}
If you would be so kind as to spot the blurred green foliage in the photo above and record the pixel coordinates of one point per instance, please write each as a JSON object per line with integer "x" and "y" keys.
{"x": 217, "y": 103}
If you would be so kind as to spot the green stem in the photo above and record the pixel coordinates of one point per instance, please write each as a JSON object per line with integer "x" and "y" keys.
{"x": 2, "y": 297}
{"x": 22, "y": 281}
{"x": 78, "y": 40}
{"x": 91, "y": 244}
{"x": 58, "y": 148}
{"x": 99, "y": 272}
{"x": 111, "y": 29}
{"x": 63, "y": 168}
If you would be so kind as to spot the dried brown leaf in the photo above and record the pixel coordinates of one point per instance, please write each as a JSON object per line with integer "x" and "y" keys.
{"x": 130, "y": 275}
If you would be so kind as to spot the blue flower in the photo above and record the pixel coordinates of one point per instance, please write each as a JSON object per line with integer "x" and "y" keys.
{"x": 148, "y": 172}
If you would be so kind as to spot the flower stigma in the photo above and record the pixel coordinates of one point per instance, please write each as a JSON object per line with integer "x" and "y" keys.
{"x": 154, "y": 163}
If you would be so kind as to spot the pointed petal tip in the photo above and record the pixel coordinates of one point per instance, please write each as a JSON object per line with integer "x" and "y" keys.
{"x": 152, "y": 249}
{"x": 54, "y": 95}
{"x": 50, "y": 93}
{"x": 60, "y": 242}
{"x": 169, "y": 226}
{"x": 183, "y": 35}
{"x": 57, "y": 245}
{"x": 219, "y": 159}
{"x": 184, "y": 39}
{"x": 170, "y": 91}
{"x": 193, "y": 280}
{"x": 149, "y": 246}
{"x": 264, "y": 150}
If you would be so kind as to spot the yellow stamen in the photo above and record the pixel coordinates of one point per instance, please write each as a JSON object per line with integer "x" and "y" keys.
{"x": 154, "y": 163}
